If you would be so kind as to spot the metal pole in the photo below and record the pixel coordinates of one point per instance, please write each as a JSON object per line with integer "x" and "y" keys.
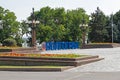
{"x": 112, "y": 27}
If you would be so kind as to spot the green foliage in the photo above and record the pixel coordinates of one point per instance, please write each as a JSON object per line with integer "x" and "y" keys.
{"x": 74, "y": 19}
{"x": 56, "y": 24}
{"x": 116, "y": 27}
{"x": 98, "y": 27}
{"x": 11, "y": 27}
{"x": 9, "y": 42}
{"x": 101, "y": 27}
{"x": 44, "y": 33}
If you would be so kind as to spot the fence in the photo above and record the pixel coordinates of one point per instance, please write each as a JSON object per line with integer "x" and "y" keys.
{"x": 60, "y": 45}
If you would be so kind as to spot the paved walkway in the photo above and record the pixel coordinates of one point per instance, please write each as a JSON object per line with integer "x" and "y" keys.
{"x": 111, "y": 63}
{"x": 5, "y": 75}
{"x": 107, "y": 69}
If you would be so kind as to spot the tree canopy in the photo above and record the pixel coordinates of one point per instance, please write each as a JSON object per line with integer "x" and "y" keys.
{"x": 11, "y": 28}
{"x": 58, "y": 24}
{"x": 98, "y": 26}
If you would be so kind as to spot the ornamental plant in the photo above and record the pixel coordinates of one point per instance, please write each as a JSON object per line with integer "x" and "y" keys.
{"x": 9, "y": 42}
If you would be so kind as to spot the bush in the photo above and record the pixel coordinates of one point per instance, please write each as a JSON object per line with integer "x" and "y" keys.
{"x": 9, "y": 42}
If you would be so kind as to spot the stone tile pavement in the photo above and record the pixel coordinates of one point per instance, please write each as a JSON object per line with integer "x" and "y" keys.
{"x": 107, "y": 69}
{"x": 110, "y": 63}
{"x": 6, "y": 75}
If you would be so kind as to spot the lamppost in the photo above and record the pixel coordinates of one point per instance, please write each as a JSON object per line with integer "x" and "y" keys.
{"x": 84, "y": 28}
{"x": 33, "y": 22}
{"x": 112, "y": 26}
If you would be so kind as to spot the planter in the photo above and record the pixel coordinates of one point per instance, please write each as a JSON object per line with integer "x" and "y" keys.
{"x": 32, "y": 61}
{"x": 35, "y": 69}
{"x": 101, "y": 45}
{"x": 19, "y": 50}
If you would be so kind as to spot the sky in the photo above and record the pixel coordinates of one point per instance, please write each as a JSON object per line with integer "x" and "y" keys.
{"x": 23, "y": 8}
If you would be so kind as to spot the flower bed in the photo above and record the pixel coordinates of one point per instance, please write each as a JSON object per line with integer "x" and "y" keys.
{"x": 42, "y": 55}
{"x": 45, "y": 59}
{"x": 13, "y": 58}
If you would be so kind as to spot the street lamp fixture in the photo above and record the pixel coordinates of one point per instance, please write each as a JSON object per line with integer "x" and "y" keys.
{"x": 84, "y": 28}
{"x": 112, "y": 28}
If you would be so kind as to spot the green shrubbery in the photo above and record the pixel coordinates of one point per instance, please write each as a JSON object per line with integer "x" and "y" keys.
{"x": 9, "y": 42}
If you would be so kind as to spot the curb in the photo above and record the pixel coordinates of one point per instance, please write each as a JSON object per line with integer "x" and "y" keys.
{"x": 37, "y": 69}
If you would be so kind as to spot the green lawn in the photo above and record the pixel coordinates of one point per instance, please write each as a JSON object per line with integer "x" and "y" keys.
{"x": 32, "y": 66}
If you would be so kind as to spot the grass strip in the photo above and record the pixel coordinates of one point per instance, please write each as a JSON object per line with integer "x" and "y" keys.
{"x": 32, "y": 66}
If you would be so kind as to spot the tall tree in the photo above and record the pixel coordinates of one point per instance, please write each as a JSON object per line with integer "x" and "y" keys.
{"x": 74, "y": 19}
{"x": 116, "y": 27}
{"x": 44, "y": 33}
{"x": 56, "y": 24}
{"x": 54, "y": 19}
{"x": 98, "y": 26}
{"x": 11, "y": 28}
